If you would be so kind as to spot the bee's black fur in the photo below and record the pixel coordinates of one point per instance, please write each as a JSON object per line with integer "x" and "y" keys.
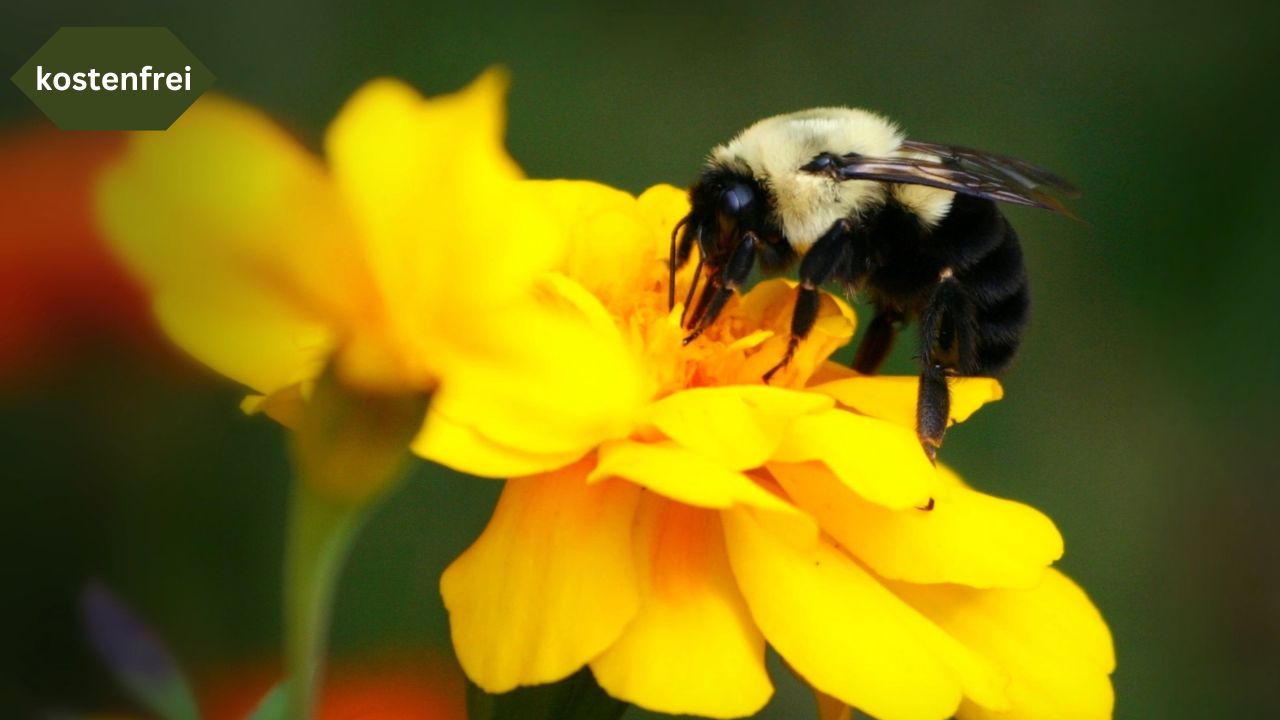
{"x": 976, "y": 246}
{"x": 963, "y": 279}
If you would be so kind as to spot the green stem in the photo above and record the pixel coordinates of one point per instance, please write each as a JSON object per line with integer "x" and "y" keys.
{"x": 349, "y": 450}
{"x": 321, "y": 532}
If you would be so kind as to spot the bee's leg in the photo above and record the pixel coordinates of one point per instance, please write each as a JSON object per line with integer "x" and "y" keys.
{"x": 946, "y": 343}
{"x": 818, "y": 265}
{"x": 877, "y": 342}
{"x": 728, "y": 281}
{"x": 933, "y": 408}
{"x": 688, "y": 232}
{"x": 712, "y": 274}
{"x": 688, "y": 297}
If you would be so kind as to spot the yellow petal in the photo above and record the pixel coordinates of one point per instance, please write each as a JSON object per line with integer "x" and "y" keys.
{"x": 831, "y": 371}
{"x": 531, "y": 363}
{"x": 880, "y": 461}
{"x": 846, "y": 634}
{"x": 1050, "y": 640}
{"x": 693, "y": 648}
{"x": 739, "y": 426}
{"x": 558, "y": 380}
{"x": 410, "y": 169}
{"x": 893, "y": 397}
{"x": 676, "y": 473}
{"x": 467, "y": 450}
{"x": 608, "y": 250}
{"x": 549, "y": 584}
{"x": 771, "y": 302}
{"x": 967, "y": 538}
{"x": 249, "y": 336}
{"x": 769, "y": 305}
{"x": 237, "y": 233}
{"x": 285, "y": 406}
{"x": 662, "y": 206}
{"x": 553, "y": 378}
{"x": 451, "y": 237}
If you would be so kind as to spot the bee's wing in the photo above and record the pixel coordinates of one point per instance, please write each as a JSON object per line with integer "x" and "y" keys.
{"x": 962, "y": 170}
{"x": 1019, "y": 171}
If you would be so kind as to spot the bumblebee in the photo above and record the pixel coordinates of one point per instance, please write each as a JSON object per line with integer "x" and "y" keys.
{"x": 914, "y": 226}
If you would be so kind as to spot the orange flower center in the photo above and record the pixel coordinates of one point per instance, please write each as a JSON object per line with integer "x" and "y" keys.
{"x": 738, "y": 348}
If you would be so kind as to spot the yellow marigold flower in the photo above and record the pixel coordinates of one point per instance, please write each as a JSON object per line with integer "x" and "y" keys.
{"x": 410, "y": 256}
{"x": 724, "y": 514}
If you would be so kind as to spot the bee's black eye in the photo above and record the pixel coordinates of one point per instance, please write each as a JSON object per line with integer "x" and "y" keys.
{"x": 735, "y": 199}
{"x": 821, "y": 163}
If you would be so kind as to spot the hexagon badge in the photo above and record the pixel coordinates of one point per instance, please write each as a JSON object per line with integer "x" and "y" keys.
{"x": 113, "y": 78}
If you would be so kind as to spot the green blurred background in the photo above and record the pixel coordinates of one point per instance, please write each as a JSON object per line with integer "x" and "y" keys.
{"x": 1140, "y": 415}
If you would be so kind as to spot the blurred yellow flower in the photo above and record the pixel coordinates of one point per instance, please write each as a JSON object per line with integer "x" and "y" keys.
{"x": 407, "y": 261}
{"x": 723, "y": 514}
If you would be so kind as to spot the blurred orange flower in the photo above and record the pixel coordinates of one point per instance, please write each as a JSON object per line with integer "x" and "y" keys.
{"x": 60, "y": 287}
{"x": 382, "y": 690}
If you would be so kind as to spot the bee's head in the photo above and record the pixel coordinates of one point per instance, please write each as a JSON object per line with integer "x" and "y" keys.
{"x": 724, "y": 205}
